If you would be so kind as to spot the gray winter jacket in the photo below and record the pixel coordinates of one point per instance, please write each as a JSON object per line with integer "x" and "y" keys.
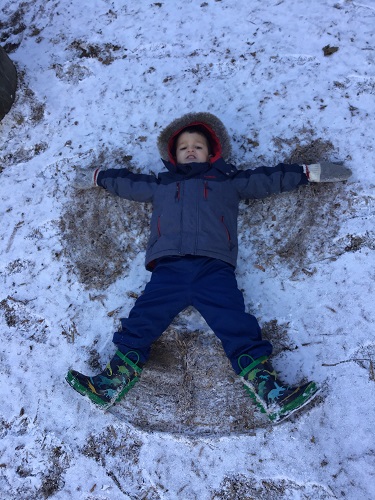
{"x": 195, "y": 206}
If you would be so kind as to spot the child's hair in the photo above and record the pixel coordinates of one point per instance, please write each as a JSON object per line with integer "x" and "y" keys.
{"x": 193, "y": 129}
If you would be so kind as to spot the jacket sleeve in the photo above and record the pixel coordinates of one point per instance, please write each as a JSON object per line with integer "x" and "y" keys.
{"x": 126, "y": 184}
{"x": 265, "y": 181}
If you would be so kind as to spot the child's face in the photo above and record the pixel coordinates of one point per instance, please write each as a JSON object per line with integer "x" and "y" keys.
{"x": 192, "y": 147}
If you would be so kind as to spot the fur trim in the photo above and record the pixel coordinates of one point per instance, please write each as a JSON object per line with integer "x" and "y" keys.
{"x": 221, "y": 136}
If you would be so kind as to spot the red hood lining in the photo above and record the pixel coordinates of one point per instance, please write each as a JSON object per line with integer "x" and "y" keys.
{"x": 214, "y": 141}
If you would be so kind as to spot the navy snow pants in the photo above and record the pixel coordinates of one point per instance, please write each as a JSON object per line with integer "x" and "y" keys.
{"x": 210, "y": 286}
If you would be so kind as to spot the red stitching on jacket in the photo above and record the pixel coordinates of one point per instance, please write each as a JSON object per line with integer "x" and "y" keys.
{"x": 205, "y": 191}
{"x": 226, "y": 229}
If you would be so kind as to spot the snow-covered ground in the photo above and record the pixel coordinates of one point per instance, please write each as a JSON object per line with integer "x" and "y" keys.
{"x": 98, "y": 80}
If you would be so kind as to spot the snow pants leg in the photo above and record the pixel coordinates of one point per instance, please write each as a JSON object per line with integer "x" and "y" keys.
{"x": 207, "y": 284}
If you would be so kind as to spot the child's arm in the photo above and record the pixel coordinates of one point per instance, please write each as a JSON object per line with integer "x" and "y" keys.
{"x": 122, "y": 182}
{"x": 265, "y": 181}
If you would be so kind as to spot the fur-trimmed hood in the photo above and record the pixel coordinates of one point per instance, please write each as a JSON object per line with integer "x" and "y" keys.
{"x": 219, "y": 138}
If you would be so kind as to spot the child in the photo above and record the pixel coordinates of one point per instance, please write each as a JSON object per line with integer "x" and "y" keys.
{"x": 192, "y": 252}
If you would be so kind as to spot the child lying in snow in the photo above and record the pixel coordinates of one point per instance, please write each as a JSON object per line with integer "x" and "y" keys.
{"x": 192, "y": 253}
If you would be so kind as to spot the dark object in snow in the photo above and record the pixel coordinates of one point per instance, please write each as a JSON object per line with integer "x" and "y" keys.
{"x": 328, "y": 50}
{"x": 8, "y": 83}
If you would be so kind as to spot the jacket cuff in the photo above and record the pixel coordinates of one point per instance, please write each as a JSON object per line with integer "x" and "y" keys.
{"x": 312, "y": 172}
{"x": 97, "y": 171}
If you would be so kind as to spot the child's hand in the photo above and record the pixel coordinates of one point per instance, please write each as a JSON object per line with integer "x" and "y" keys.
{"x": 326, "y": 172}
{"x": 85, "y": 178}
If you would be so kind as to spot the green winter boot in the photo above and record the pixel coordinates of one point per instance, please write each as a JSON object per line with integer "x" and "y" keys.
{"x": 111, "y": 385}
{"x": 273, "y": 397}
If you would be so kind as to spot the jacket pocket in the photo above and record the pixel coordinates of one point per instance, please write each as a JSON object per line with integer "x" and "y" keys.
{"x": 227, "y": 232}
{"x": 205, "y": 190}
{"x": 155, "y": 233}
{"x": 158, "y": 227}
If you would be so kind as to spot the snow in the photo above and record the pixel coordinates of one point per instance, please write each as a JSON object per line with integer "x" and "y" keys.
{"x": 98, "y": 80}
